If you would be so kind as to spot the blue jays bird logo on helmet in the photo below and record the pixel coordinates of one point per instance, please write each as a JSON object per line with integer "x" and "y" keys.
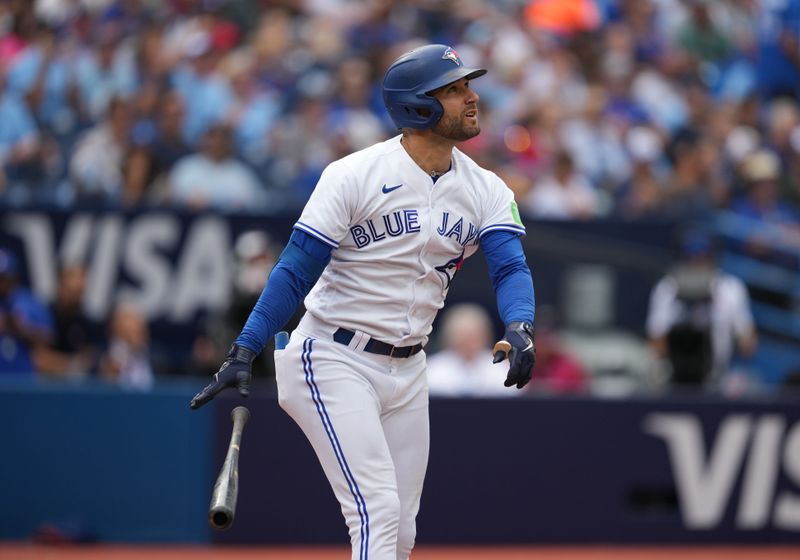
{"x": 451, "y": 54}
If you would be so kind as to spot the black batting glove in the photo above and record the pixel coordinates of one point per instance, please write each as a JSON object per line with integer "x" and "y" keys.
{"x": 517, "y": 346}
{"x": 234, "y": 372}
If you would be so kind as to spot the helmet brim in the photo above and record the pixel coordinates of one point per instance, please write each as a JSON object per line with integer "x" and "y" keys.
{"x": 453, "y": 76}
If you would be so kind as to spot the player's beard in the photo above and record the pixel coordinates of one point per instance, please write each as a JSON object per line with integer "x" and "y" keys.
{"x": 454, "y": 128}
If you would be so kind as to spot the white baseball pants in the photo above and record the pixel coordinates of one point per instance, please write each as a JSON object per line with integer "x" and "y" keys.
{"x": 366, "y": 416}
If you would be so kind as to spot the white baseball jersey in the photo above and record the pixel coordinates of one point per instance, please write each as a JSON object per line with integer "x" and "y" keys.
{"x": 398, "y": 239}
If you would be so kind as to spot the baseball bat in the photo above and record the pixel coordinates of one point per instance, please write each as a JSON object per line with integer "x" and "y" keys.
{"x": 226, "y": 489}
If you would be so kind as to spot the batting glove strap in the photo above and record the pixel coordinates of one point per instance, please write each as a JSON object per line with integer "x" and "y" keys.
{"x": 520, "y": 328}
{"x": 240, "y": 354}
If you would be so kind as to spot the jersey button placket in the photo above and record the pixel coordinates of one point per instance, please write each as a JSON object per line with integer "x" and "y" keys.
{"x": 424, "y": 267}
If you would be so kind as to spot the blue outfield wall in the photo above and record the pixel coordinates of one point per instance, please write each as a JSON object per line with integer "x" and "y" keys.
{"x": 140, "y": 467}
{"x": 94, "y": 460}
{"x": 682, "y": 469}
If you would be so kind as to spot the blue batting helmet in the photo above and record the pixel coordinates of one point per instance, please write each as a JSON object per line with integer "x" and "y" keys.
{"x": 410, "y": 79}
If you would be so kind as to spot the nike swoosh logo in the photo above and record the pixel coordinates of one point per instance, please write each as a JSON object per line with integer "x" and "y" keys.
{"x": 387, "y": 190}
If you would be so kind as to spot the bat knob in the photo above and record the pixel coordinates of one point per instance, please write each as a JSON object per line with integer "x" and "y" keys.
{"x": 220, "y": 518}
{"x": 501, "y": 350}
{"x": 240, "y": 411}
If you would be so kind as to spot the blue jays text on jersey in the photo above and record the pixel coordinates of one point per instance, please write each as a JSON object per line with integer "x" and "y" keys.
{"x": 406, "y": 221}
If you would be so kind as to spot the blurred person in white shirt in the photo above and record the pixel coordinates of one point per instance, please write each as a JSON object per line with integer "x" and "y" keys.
{"x": 464, "y": 368}
{"x": 563, "y": 195}
{"x": 213, "y": 178}
{"x": 98, "y": 163}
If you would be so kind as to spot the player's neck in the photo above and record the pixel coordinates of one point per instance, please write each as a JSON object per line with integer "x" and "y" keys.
{"x": 431, "y": 155}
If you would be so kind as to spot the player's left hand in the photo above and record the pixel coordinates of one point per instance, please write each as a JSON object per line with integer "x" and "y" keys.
{"x": 517, "y": 346}
{"x": 234, "y": 372}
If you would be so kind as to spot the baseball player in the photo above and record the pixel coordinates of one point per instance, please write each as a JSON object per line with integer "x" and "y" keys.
{"x": 374, "y": 253}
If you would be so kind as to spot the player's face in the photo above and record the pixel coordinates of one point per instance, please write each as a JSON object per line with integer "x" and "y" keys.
{"x": 460, "y": 119}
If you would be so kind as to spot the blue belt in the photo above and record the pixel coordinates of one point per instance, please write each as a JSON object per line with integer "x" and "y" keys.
{"x": 344, "y": 336}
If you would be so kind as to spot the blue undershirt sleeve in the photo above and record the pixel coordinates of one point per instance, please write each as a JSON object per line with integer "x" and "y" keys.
{"x": 299, "y": 267}
{"x": 510, "y": 275}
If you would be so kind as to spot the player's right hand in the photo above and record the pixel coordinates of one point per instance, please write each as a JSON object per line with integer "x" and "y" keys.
{"x": 517, "y": 346}
{"x": 234, "y": 372}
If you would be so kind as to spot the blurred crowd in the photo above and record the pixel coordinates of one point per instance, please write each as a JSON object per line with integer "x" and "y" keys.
{"x": 629, "y": 109}
{"x": 59, "y": 340}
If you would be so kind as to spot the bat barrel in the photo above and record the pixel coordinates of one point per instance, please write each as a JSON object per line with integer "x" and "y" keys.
{"x": 226, "y": 490}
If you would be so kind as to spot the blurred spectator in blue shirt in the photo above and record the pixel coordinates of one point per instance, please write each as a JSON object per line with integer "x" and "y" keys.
{"x": 25, "y": 322}
{"x": 206, "y": 93}
{"x": 214, "y": 179}
{"x": 735, "y": 77}
{"x": 373, "y": 29}
{"x": 594, "y": 143}
{"x": 19, "y": 137}
{"x": 42, "y": 75}
{"x": 103, "y": 72}
{"x": 772, "y": 224}
{"x": 647, "y": 26}
{"x": 302, "y": 147}
{"x": 662, "y": 99}
{"x": 778, "y": 48}
{"x": 254, "y": 107}
{"x": 351, "y": 116}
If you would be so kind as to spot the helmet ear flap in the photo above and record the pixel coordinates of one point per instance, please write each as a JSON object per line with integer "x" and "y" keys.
{"x": 431, "y": 112}
{"x": 423, "y": 112}
{"x": 410, "y": 110}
